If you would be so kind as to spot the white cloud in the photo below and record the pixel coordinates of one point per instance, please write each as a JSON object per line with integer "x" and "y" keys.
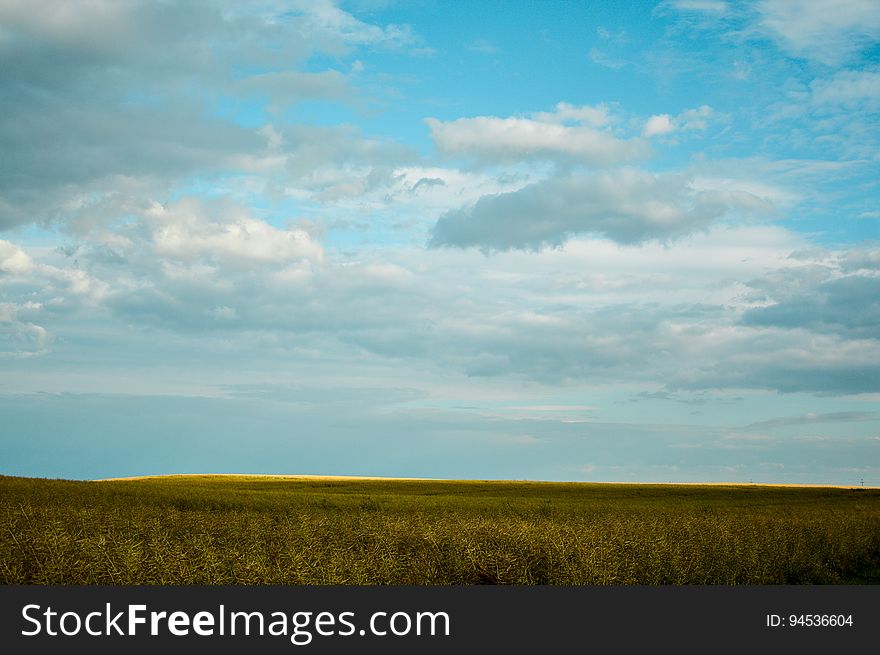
{"x": 685, "y": 314}
{"x": 602, "y": 58}
{"x": 20, "y": 338}
{"x": 327, "y": 163}
{"x": 545, "y": 136}
{"x": 694, "y": 119}
{"x": 19, "y": 267}
{"x": 861, "y": 259}
{"x": 13, "y": 259}
{"x": 658, "y": 124}
{"x": 616, "y": 36}
{"x": 326, "y": 17}
{"x": 566, "y": 113}
{"x": 705, "y": 6}
{"x": 690, "y": 119}
{"x": 185, "y": 231}
{"x": 411, "y": 197}
{"x": 37, "y": 289}
{"x": 848, "y": 89}
{"x": 827, "y": 32}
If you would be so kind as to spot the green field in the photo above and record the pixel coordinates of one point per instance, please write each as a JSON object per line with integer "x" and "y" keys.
{"x": 251, "y": 530}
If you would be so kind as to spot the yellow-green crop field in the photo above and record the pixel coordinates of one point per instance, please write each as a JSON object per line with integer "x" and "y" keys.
{"x": 253, "y": 530}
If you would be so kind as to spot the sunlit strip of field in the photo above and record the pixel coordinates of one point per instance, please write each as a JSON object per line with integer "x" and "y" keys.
{"x": 254, "y": 476}
{"x": 275, "y": 476}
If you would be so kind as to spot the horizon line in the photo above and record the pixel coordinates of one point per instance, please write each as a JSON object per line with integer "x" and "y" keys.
{"x": 297, "y": 476}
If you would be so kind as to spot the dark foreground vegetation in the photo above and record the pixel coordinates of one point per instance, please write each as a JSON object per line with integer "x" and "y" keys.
{"x": 227, "y": 530}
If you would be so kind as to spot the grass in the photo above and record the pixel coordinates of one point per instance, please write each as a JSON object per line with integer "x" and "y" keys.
{"x": 251, "y": 530}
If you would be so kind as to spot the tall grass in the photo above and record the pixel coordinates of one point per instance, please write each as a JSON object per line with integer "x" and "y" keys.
{"x": 210, "y": 530}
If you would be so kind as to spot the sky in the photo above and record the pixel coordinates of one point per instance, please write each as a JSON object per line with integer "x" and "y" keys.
{"x": 484, "y": 240}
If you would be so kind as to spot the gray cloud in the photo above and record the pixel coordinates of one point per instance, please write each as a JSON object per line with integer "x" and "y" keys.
{"x": 628, "y": 206}
{"x": 65, "y": 158}
{"x": 126, "y": 99}
{"x": 811, "y": 419}
{"x": 788, "y": 361}
{"x": 845, "y": 305}
{"x": 859, "y": 259}
{"x": 194, "y": 280}
{"x": 287, "y": 88}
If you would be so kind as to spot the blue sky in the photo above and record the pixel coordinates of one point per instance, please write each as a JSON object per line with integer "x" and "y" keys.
{"x": 556, "y": 240}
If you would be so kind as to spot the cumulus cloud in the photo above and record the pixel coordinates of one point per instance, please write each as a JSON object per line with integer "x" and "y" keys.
{"x": 185, "y": 231}
{"x": 658, "y": 124}
{"x": 20, "y": 338}
{"x": 38, "y": 292}
{"x": 569, "y": 134}
{"x": 19, "y": 271}
{"x": 13, "y": 259}
{"x": 628, "y": 206}
{"x": 566, "y": 113}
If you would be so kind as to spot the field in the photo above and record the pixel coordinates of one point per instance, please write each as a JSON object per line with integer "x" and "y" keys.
{"x": 253, "y": 530}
